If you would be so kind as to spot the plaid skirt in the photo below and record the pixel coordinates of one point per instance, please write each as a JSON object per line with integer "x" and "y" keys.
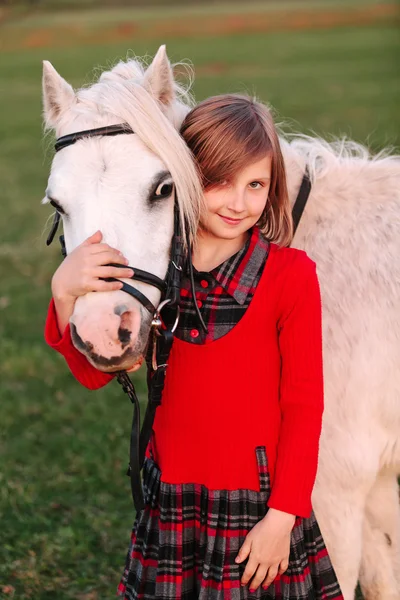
{"x": 185, "y": 541}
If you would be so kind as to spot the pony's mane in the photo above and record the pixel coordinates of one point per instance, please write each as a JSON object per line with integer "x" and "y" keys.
{"x": 119, "y": 94}
{"x": 321, "y": 155}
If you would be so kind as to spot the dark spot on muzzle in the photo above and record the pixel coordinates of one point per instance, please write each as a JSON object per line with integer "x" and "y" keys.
{"x": 78, "y": 341}
{"x": 124, "y": 336}
{"x": 87, "y": 348}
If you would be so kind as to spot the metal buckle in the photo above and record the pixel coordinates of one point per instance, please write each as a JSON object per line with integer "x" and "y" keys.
{"x": 155, "y": 326}
{"x": 156, "y": 322}
{"x": 178, "y": 268}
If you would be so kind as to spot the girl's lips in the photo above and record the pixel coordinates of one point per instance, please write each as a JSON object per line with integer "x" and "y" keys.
{"x": 230, "y": 221}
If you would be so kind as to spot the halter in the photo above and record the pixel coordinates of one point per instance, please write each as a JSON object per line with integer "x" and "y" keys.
{"x": 161, "y": 337}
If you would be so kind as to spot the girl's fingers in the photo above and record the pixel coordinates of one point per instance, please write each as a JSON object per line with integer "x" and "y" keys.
{"x": 96, "y": 248}
{"x": 95, "y": 238}
{"x": 272, "y": 573}
{"x": 249, "y": 571}
{"x": 104, "y": 258}
{"x": 244, "y": 550}
{"x": 113, "y": 272}
{"x": 106, "y": 286}
{"x": 283, "y": 567}
{"x": 258, "y": 578}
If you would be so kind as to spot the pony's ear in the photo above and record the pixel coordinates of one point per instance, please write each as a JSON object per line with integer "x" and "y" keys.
{"x": 58, "y": 95}
{"x": 159, "y": 78}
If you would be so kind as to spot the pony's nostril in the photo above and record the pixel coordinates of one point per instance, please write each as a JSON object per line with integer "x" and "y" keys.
{"x": 120, "y": 309}
{"x": 124, "y": 336}
{"x": 124, "y": 330}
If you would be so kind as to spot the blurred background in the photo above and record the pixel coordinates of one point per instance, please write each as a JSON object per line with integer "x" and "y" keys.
{"x": 330, "y": 68}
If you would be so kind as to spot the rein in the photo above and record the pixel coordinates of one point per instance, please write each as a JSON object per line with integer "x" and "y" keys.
{"x": 161, "y": 338}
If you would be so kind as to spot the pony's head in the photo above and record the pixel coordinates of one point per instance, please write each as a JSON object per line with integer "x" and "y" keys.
{"x": 112, "y": 184}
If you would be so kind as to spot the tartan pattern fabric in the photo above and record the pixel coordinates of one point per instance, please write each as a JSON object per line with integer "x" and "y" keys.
{"x": 184, "y": 543}
{"x": 224, "y": 293}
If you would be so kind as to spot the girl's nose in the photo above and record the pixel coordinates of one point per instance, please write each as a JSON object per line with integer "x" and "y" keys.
{"x": 236, "y": 200}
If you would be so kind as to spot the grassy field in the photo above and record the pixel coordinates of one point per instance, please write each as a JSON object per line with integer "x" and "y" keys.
{"x": 65, "y": 505}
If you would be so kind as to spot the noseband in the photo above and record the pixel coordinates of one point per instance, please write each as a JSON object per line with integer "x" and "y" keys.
{"x": 162, "y": 337}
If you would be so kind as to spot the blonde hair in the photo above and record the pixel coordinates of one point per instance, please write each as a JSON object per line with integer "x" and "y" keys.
{"x": 227, "y": 133}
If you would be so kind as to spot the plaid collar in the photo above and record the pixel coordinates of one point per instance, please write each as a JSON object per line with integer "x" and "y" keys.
{"x": 237, "y": 274}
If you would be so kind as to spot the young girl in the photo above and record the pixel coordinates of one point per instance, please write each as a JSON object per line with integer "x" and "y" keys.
{"x": 232, "y": 460}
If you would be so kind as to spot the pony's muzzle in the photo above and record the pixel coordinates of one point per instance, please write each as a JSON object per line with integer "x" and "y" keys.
{"x": 108, "y": 339}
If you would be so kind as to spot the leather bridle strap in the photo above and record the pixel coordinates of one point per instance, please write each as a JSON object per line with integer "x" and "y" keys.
{"x": 143, "y": 276}
{"x": 53, "y": 230}
{"x": 71, "y": 138}
{"x": 301, "y": 200}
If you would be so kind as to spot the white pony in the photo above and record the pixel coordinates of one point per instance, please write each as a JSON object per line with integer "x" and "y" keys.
{"x": 350, "y": 227}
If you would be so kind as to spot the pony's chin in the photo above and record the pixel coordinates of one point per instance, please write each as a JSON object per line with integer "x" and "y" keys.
{"x": 136, "y": 366}
{"x": 126, "y": 363}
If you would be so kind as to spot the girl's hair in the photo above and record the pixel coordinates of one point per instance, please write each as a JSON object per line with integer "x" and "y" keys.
{"x": 227, "y": 133}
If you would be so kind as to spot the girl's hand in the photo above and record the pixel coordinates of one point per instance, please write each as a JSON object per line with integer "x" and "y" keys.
{"x": 268, "y": 546}
{"x": 81, "y": 270}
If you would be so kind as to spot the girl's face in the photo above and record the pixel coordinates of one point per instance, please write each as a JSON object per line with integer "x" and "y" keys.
{"x": 234, "y": 207}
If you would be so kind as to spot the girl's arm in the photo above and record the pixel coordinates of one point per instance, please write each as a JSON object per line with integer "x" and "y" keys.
{"x": 301, "y": 390}
{"x": 81, "y": 272}
{"x": 79, "y": 366}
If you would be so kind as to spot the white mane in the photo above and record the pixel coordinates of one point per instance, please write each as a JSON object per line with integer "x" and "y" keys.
{"x": 322, "y": 156}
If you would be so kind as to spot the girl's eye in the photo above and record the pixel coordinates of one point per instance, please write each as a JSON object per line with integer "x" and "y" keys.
{"x": 164, "y": 190}
{"x": 256, "y": 185}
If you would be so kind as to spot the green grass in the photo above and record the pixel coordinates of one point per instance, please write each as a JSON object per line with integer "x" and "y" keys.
{"x": 65, "y": 504}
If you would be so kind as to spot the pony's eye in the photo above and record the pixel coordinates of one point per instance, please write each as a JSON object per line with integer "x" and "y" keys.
{"x": 164, "y": 190}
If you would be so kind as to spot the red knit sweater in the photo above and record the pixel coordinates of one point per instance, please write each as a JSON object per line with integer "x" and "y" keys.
{"x": 260, "y": 384}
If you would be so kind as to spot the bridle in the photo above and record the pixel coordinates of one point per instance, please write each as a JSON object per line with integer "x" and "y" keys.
{"x": 161, "y": 336}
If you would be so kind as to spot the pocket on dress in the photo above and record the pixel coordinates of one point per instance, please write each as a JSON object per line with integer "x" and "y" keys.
{"x": 263, "y": 470}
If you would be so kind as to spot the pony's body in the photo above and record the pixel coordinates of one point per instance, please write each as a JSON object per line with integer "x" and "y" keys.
{"x": 350, "y": 227}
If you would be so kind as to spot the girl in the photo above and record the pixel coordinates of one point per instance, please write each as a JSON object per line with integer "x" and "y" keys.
{"x": 232, "y": 460}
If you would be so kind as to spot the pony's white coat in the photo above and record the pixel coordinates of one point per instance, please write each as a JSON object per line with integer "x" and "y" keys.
{"x": 350, "y": 227}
